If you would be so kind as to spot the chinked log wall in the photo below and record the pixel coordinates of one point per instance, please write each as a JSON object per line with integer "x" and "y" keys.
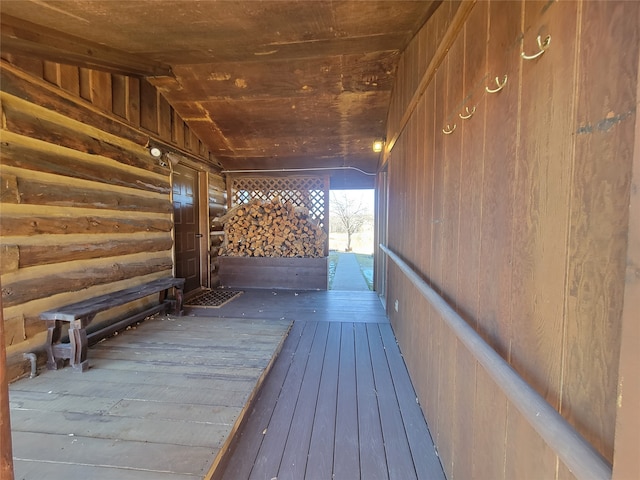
{"x": 217, "y": 208}
{"x": 85, "y": 209}
{"x": 518, "y": 218}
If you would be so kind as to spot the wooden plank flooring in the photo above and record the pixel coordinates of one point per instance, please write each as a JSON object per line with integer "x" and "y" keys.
{"x": 159, "y": 401}
{"x": 338, "y": 404}
{"x": 330, "y": 306}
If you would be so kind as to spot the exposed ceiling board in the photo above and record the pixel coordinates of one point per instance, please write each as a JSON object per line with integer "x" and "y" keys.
{"x": 322, "y": 126}
{"x": 218, "y": 30}
{"x": 281, "y": 78}
{"x": 27, "y": 38}
{"x": 261, "y": 83}
{"x": 299, "y": 162}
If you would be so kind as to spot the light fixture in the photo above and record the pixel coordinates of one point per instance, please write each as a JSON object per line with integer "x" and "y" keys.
{"x": 377, "y": 146}
{"x": 155, "y": 152}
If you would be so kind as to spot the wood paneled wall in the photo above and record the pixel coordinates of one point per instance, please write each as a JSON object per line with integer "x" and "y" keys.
{"x": 85, "y": 209}
{"x": 518, "y": 218}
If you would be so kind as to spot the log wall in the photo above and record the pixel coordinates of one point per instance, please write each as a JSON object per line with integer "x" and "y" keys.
{"x": 85, "y": 209}
{"x": 217, "y": 208}
{"x": 518, "y": 218}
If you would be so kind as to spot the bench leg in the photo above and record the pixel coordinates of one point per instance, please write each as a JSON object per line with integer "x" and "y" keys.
{"x": 177, "y": 303}
{"x": 53, "y": 337}
{"x": 79, "y": 344}
{"x": 179, "y": 300}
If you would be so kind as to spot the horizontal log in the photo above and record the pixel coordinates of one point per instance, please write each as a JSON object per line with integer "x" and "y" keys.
{"x": 9, "y": 188}
{"x": 217, "y": 182}
{"x": 9, "y": 258}
{"x": 24, "y": 86}
{"x": 33, "y": 255}
{"x": 32, "y": 124}
{"x": 12, "y": 225}
{"x": 14, "y": 330}
{"x": 83, "y": 309}
{"x": 216, "y": 210}
{"x": 33, "y": 325}
{"x": 217, "y": 196}
{"x": 33, "y": 192}
{"x": 22, "y": 152}
{"x": 24, "y": 291}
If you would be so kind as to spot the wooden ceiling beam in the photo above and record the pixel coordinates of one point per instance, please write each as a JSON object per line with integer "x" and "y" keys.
{"x": 21, "y": 37}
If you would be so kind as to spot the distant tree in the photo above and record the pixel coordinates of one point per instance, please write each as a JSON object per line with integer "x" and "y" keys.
{"x": 352, "y": 215}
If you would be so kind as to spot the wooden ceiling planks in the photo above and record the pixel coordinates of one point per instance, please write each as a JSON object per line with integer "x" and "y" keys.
{"x": 26, "y": 38}
{"x": 174, "y": 31}
{"x": 258, "y": 82}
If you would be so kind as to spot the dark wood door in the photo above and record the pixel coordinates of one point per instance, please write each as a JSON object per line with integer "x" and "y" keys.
{"x": 187, "y": 235}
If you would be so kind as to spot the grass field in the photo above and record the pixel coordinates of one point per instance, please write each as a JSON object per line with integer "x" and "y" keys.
{"x": 333, "y": 262}
{"x": 366, "y": 267}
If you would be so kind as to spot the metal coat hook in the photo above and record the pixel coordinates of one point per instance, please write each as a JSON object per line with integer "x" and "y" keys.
{"x": 448, "y": 130}
{"x": 500, "y": 85}
{"x": 469, "y": 113}
{"x": 542, "y": 45}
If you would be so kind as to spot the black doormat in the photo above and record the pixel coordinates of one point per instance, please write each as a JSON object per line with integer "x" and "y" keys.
{"x": 212, "y": 298}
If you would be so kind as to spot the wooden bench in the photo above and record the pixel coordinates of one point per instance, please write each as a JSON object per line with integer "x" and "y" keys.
{"x": 80, "y": 314}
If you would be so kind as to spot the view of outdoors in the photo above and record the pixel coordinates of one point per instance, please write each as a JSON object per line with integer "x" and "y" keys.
{"x": 351, "y": 215}
{"x": 351, "y": 230}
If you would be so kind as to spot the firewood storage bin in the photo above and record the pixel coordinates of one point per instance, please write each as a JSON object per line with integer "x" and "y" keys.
{"x": 310, "y": 193}
{"x": 277, "y": 272}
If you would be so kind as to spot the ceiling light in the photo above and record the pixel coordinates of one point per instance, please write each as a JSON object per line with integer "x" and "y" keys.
{"x": 155, "y": 152}
{"x": 377, "y": 146}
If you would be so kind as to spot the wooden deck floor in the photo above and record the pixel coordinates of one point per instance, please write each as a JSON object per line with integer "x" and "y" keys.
{"x": 338, "y": 404}
{"x": 330, "y": 306}
{"x": 160, "y": 401}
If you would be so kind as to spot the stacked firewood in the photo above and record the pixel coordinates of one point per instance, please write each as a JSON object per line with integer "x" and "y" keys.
{"x": 271, "y": 229}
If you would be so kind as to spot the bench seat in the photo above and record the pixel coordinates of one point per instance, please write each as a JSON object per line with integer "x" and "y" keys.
{"x": 80, "y": 314}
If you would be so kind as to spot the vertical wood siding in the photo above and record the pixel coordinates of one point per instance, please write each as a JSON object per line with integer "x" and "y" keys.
{"x": 519, "y": 219}
{"x": 85, "y": 210}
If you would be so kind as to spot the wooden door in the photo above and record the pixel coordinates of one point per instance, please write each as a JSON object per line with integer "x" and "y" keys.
{"x": 187, "y": 234}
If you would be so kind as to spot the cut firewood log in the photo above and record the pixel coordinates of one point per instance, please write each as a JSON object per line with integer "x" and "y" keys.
{"x": 271, "y": 229}
{"x": 228, "y": 214}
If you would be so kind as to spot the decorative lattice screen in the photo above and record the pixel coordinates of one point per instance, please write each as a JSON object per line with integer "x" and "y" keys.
{"x": 309, "y": 192}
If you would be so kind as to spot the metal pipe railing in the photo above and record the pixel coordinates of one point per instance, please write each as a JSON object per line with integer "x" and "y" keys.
{"x": 571, "y": 448}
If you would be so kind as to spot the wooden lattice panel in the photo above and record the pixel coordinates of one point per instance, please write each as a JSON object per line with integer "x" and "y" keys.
{"x": 301, "y": 191}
